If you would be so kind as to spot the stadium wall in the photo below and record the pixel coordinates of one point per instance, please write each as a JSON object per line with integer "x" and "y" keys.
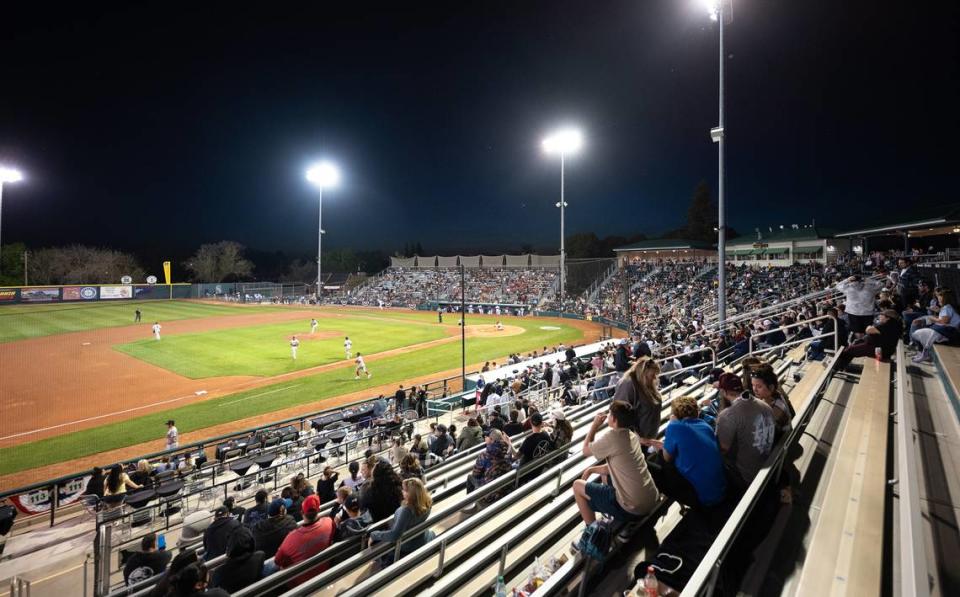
{"x": 80, "y": 293}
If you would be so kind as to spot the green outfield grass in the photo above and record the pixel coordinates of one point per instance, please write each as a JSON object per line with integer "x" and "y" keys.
{"x": 264, "y": 350}
{"x": 311, "y": 389}
{"x": 18, "y": 322}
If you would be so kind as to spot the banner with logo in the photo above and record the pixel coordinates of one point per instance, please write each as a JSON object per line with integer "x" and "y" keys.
{"x": 8, "y": 295}
{"x": 116, "y": 292}
{"x": 38, "y": 501}
{"x": 39, "y": 295}
{"x": 166, "y": 272}
{"x": 79, "y": 293}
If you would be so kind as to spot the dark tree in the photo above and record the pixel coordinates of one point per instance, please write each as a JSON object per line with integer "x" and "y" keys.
{"x": 701, "y": 215}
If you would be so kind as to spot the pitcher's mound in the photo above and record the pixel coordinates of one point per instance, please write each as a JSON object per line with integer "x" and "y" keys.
{"x": 491, "y": 331}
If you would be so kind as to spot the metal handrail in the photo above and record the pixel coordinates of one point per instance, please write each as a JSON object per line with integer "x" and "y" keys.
{"x": 804, "y": 322}
{"x": 705, "y": 577}
{"x": 913, "y": 566}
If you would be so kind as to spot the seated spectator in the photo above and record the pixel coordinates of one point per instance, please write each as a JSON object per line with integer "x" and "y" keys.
{"x": 95, "y": 485}
{"x": 562, "y": 429}
{"x": 117, "y": 482}
{"x": 383, "y": 494}
{"x": 692, "y": 468}
{"x": 766, "y": 387}
{"x": 244, "y": 563}
{"x": 514, "y": 426}
{"x": 164, "y": 465}
{"x": 326, "y": 484}
{"x": 191, "y": 581}
{"x": 440, "y": 444}
{"x": 419, "y": 447}
{"x": 633, "y": 492}
{"x": 745, "y": 431}
{"x": 294, "y": 501}
{"x": 309, "y": 539}
{"x": 259, "y": 510}
{"x": 639, "y": 388}
{"x": 355, "y": 480}
{"x": 414, "y": 511}
{"x": 943, "y": 327}
{"x": 269, "y": 533}
{"x": 397, "y": 451}
{"x": 537, "y": 444}
{"x": 163, "y": 586}
{"x": 470, "y": 436}
{"x": 144, "y": 474}
{"x": 301, "y": 486}
{"x": 186, "y": 465}
{"x": 218, "y": 533}
{"x": 410, "y": 468}
{"x": 350, "y": 522}
{"x": 147, "y": 562}
{"x": 231, "y": 505}
{"x": 494, "y": 461}
{"x": 340, "y": 497}
{"x": 885, "y": 336}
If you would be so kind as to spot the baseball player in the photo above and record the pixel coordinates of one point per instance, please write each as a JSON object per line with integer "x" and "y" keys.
{"x": 348, "y": 346}
{"x": 361, "y": 367}
{"x": 313, "y": 325}
{"x": 136, "y": 316}
{"x": 294, "y": 344}
{"x": 156, "y": 329}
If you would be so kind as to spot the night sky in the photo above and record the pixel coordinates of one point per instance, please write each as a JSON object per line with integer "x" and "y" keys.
{"x": 158, "y": 127}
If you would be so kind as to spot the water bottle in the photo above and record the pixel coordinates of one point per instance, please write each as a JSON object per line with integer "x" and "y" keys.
{"x": 878, "y": 353}
{"x": 501, "y": 589}
{"x": 650, "y": 584}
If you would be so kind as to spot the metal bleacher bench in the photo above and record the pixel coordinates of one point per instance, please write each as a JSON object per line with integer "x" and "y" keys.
{"x": 845, "y": 555}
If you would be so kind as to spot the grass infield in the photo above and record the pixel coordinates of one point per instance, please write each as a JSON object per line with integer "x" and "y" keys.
{"x": 19, "y": 322}
{"x": 305, "y": 390}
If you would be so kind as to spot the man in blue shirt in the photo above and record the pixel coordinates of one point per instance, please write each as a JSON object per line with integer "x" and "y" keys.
{"x": 692, "y": 467}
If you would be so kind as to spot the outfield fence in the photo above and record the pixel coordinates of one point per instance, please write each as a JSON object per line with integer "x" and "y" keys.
{"x": 90, "y": 293}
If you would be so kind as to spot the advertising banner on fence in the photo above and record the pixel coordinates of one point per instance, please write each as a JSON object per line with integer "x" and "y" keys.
{"x": 116, "y": 292}
{"x": 39, "y": 295}
{"x": 38, "y": 501}
{"x": 8, "y": 295}
{"x": 79, "y": 293}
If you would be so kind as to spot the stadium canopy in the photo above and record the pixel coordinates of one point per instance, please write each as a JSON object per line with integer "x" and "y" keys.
{"x": 910, "y": 223}
{"x": 665, "y": 248}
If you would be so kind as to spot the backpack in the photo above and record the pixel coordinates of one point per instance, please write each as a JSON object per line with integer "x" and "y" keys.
{"x": 595, "y": 541}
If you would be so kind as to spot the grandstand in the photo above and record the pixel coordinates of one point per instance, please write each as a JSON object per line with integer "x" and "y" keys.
{"x": 856, "y": 497}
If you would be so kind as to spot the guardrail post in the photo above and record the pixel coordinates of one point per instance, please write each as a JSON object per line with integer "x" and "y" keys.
{"x": 104, "y": 568}
{"x": 54, "y": 499}
{"x": 503, "y": 558}
{"x": 86, "y": 578}
{"x": 443, "y": 553}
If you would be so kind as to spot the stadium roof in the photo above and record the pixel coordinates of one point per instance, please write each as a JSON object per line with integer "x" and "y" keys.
{"x": 666, "y": 244}
{"x": 785, "y": 235}
{"x": 932, "y": 219}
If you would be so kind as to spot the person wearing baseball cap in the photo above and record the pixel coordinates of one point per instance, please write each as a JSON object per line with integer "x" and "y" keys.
{"x": 495, "y": 460}
{"x": 309, "y": 539}
{"x": 745, "y": 431}
{"x": 270, "y": 532}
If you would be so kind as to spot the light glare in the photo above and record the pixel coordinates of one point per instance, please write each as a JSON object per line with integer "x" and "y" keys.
{"x": 324, "y": 175}
{"x": 563, "y": 142}
{"x": 10, "y": 175}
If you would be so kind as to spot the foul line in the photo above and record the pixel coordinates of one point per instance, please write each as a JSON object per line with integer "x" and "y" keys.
{"x": 260, "y": 394}
{"x": 119, "y": 412}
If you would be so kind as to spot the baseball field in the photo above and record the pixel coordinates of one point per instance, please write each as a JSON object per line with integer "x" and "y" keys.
{"x": 83, "y": 384}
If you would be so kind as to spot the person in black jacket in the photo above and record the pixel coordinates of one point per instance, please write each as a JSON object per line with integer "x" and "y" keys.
{"x": 259, "y": 511}
{"x": 95, "y": 484}
{"x": 244, "y": 563}
{"x": 216, "y": 536}
{"x": 268, "y": 534}
{"x": 146, "y": 562}
{"x": 382, "y": 496}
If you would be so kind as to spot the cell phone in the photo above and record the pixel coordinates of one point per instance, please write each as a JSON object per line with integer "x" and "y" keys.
{"x": 161, "y": 542}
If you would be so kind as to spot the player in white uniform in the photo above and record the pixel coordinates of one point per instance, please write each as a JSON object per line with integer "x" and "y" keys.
{"x": 348, "y": 346}
{"x": 313, "y": 325}
{"x": 294, "y": 344}
{"x": 361, "y": 367}
{"x": 156, "y": 329}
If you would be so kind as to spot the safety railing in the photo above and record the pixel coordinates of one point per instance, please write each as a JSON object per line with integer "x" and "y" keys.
{"x": 805, "y": 322}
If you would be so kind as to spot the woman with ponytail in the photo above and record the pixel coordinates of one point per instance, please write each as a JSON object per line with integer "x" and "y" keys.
{"x": 640, "y": 389}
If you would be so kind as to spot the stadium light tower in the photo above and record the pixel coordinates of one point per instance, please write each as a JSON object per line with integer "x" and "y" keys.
{"x": 720, "y": 11}
{"x": 6, "y": 175}
{"x": 323, "y": 175}
{"x": 563, "y": 142}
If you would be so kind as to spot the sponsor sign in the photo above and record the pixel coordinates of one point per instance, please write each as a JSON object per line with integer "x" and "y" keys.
{"x": 151, "y": 279}
{"x": 8, "y": 295}
{"x": 126, "y": 280}
{"x": 38, "y": 501}
{"x": 79, "y": 293}
{"x": 39, "y": 295}
{"x": 116, "y": 292}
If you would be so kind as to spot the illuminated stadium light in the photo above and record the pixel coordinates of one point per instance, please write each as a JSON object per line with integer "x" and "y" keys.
{"x": 563, "y": 142}
{"x": 10, "y": 175}
{"x": 323, "y": 175}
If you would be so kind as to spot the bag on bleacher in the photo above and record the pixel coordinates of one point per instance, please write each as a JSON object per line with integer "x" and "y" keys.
{"x": 595, "y": 541}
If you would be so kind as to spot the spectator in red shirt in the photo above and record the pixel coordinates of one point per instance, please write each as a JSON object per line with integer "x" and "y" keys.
{"x": 312, "y": 537}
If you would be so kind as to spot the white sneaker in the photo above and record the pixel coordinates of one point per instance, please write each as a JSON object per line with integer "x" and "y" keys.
{"x": 356, "y": 378}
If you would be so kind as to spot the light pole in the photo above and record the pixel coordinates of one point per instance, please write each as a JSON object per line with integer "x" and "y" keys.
{"x": 720, "y": 11}
{"x": 322, "y": 175}
{"x": 563, "y": 142}
{"x": 6, "y": 175}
